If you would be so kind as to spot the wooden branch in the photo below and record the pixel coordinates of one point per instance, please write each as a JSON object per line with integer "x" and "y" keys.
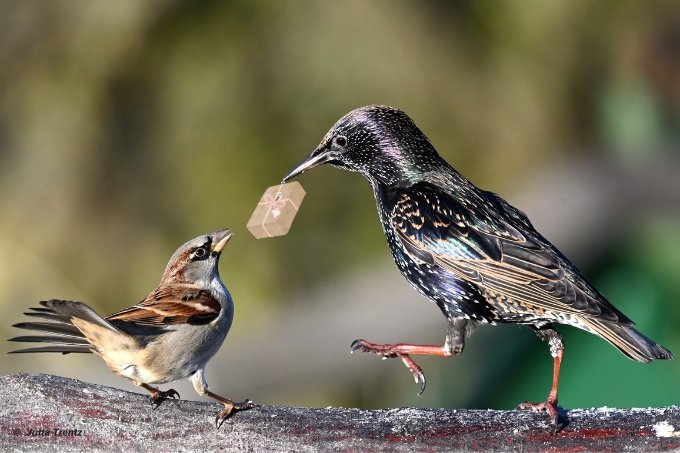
{"x": 49, "y": 413}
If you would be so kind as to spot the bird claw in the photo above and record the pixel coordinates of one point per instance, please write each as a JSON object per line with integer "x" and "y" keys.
{"x": 388, "y": 351}
{"x": 359, "y": 345}
{"x": 418, "y": 374}
{"x": 229, "y": 408}
{"x": 422, "y": 383}
{"x": 172, "y": 393}
{"x": 384, "y": 350}
{"x": 159, "y": 395}
{"x": 550, "y": 407}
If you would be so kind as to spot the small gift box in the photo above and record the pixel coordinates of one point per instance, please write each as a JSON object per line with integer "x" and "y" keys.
{"x": 275, "y": 212}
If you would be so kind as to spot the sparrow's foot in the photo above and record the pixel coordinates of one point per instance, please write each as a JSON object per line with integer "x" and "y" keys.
{"x": 393, "y": 350}
{"x": 550, "y": 406}
{"x": 159, "y": 395}
{"x": 229, "y": 407}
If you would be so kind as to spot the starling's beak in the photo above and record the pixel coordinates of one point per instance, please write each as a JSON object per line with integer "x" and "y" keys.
{"x": 220, "y": 239}
{"x": 319, "y": 156}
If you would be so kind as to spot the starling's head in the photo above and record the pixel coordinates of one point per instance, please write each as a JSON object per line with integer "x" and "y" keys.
{"x": 380, "y": 142}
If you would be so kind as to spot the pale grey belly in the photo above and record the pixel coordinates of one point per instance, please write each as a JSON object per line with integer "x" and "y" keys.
{"x": 176, "y": 354}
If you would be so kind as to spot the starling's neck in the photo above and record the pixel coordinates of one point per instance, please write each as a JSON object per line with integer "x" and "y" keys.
{"x": 404, "y": 173}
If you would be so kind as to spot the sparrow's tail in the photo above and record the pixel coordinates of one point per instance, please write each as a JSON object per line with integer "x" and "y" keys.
{"x": 61, "y": 330}
{"x": 629, "y": 341}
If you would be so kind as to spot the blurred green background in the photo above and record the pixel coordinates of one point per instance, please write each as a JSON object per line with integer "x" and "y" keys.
{"x": 130, "y": 127}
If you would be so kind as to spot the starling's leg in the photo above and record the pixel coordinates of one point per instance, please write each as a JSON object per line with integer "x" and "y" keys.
{"x": 156, "y": 394}
{"x": 454, "y": 344}
{"x": 552, "y": 336}
{"x": 201, "y": 386}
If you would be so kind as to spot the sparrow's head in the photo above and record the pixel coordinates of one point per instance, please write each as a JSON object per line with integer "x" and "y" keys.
{"x": 196, "y": 261}
{"x": 380, "y": 142}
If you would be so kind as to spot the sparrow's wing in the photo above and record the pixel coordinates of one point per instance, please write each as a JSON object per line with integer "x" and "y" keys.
{"x": 496, "y": 249}
{"x": 71, "y": 327}
{"x": 169, "y": 305}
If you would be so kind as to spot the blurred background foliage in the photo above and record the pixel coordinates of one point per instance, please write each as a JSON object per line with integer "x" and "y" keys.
{"x": 129, "y": 127}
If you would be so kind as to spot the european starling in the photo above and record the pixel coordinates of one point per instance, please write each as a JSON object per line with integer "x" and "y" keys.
{"x": 467, "y": 250}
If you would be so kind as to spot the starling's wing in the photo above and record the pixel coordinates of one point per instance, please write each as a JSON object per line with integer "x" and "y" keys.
{"x": 492, "y": 244}
{"x": 169, "y": 305}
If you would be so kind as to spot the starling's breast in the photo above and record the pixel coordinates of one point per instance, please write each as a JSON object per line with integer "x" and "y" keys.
{"x": 454, "y": 296}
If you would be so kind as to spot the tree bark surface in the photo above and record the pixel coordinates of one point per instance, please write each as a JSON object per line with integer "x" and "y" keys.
{"x": 49, "y": 413}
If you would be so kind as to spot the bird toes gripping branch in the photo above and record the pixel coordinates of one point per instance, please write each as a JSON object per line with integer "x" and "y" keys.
{"x": 552, "y": 336}
{"x": 550, "y": 406}
{"x": 158, "y": 395}
{"x": 229, "y": 407}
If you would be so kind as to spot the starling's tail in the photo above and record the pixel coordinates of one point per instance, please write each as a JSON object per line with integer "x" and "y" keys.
{"x": 629, "y": 341}
{"x": 60, "y": 329}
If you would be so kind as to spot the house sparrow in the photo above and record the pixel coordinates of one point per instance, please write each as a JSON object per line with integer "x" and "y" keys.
{"x": 169, "y": 335}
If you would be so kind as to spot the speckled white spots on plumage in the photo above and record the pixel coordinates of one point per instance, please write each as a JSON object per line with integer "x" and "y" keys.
{"x": 457, "y": 224}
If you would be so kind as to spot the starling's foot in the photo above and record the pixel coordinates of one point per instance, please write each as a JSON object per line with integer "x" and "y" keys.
{"x": 385, "y": 350}
{"x": 229, "y": 407}
{"x": 549, "y": 406}
{"x": 416, "y": 370}
{"x": 158, "y": 395}
{"x": 388, "y": 350}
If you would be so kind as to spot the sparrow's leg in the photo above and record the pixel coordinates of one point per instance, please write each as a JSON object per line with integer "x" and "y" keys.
{"x": 156, "y": 394}
{"x": 552, "y": 336}
{"x": 201, "y": 386}
{"x": 454, "y": 344}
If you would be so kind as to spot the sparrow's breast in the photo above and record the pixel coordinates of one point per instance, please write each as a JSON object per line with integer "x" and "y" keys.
{"x": 181, "y": 350}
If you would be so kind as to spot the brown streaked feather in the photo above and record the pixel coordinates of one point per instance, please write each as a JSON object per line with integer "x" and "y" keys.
{"x": 508, "y": 257}
{"x": 169, "y": 305}
{"x": 629, "y": 341}
{"x": 533, "y": 292}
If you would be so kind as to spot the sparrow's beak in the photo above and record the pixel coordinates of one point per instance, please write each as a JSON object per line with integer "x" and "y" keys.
{"x": 319, "y": 156}
{"x": 220, "y": 239}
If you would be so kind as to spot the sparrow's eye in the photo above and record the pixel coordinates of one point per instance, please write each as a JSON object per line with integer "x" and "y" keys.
{"x": 199, "y": 254}
{"x": 341, "y": 141}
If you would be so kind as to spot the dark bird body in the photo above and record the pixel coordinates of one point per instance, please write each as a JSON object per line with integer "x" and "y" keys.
{"x": 468, "y": 250}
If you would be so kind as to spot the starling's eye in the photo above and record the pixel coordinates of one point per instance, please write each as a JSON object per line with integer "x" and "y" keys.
{"x": 341, "y": 141}
{"x": 199, "y": 253}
